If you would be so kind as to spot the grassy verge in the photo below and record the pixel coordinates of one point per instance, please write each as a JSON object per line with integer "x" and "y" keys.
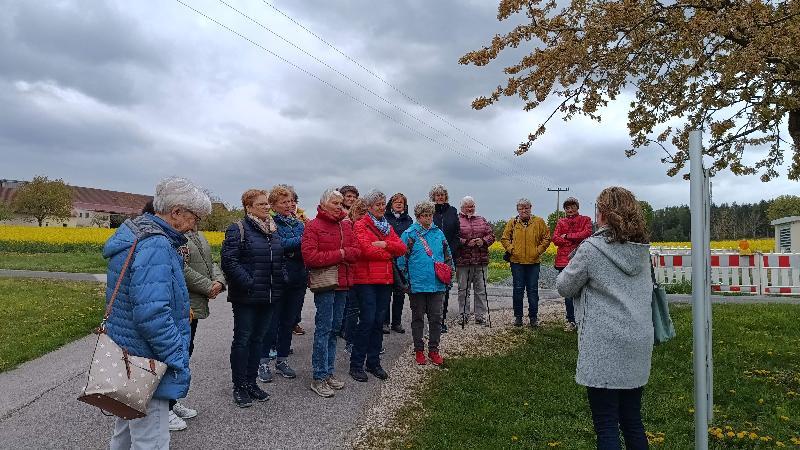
{"x": 527, "y": 398}
{"x": 54, "y": 262}
{"x": 39, "y": 316}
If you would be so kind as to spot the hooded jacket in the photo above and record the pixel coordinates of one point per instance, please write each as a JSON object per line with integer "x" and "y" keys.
{"x": 150, "y": 316}
{"x": 526, "y": 242}
{"x": 401, "y": 222}
{"x": 612, "y": 289}
{"x": 416, "y": 265}
{"x": 577, "y": 228}
{"x": 470, "y": 228}
{"x": 201, "y": 272}
{"x": 322, "y": 239}
{"x": 253, "y": 265}
{"x": 446, "y": 218}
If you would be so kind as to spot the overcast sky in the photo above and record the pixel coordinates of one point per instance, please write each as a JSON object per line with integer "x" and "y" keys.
{"x": 117, "y": 94}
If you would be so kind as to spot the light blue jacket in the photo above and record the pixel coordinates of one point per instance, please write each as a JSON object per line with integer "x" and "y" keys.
{"x": 150, "y": 317}
{"x": 416, "y": 265}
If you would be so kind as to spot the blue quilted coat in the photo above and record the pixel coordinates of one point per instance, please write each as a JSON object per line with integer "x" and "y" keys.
{"x": 416, "y": 265}
{"x": 291, "y": 232}
{"x": 150, "y": 317}
{"x": 253, "y": 265}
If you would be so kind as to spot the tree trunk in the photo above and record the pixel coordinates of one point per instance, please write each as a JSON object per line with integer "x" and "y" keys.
{"x": 794, "y": 126}
{"x": 40, "y": 219}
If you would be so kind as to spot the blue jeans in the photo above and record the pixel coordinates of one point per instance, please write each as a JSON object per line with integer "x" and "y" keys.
{"x": 279, "y": 333}
{"x": 525, "y": 277}
{"x": 615, "y": 409}
{"x": 327, "y": 322}
{"x": 369, "y": 332}
{"x": 568, "y": 304}
{"x": 249, "y": 328}
{"x": 351, "y": 309}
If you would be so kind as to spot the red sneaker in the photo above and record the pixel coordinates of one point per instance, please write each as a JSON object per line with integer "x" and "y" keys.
{"x": 420, "y": 357}
{"x": 436, "y": 358}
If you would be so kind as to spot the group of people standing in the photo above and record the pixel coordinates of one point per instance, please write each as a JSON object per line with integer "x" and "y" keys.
{"x": 360, "y": 256}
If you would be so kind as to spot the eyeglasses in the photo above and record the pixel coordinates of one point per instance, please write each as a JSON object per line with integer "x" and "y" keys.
{"x": 196, "y": 217}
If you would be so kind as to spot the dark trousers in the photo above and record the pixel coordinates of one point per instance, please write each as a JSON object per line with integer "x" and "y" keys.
{"x": 284, "y": 316}
{"x": 374, "y": 299}
{"x": 351, "y": 310}
{"x": 249, "y": 328}
{"x": 568, "y": 304}
{"x": 445, "y": 304}
{"x": 614, "y": 410}
{"x": 426, "y": 304}
{"x": 525, "y": 277}
{"x": 394, "y": 314}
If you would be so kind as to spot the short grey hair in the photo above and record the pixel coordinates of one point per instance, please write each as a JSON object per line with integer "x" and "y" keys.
{"x": 374, "y": 196}
{"x": 524, "y": 202}
{"x": 329, "y": 194}
{"x": 424, "y": 207}
{"x": 177, "y": 192}
{"x": 438, "y": 189}
{"x": 467, "y": 200}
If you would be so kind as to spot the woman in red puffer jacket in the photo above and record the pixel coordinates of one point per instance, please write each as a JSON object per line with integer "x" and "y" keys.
{"x": 570, "y": 231}
{"x": 374, "y": 278}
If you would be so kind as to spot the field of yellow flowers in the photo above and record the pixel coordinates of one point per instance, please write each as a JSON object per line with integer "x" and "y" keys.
{"x": 62, "y": 240}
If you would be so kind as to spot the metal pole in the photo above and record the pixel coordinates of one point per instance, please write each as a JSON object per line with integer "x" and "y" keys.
{"x": 709, "y": 328}
{"x": 697, "y": 206}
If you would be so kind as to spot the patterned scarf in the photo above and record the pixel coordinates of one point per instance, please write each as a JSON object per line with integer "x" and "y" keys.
{"x": 382, "y": 225}
{"x": 267, "y": 226}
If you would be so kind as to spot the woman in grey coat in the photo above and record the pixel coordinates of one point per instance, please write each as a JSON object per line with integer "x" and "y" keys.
{"x": 609, "y": 279}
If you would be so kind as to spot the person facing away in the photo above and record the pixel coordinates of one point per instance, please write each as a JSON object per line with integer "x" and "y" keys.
{"x": 150, "y": 316}
{"x": 609, "y": 278}
{"x": 570, "y": 231}
{"x": 526, "y": 238}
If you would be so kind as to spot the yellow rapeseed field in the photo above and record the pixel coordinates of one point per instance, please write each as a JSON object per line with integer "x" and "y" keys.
{"x": 755, "y": 245}
{"x": 61, "y": 236}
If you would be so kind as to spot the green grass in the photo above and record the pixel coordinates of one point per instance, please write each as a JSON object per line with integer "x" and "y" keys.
{"x": 528, "y": 398}
{"x": 38, "y": 316}
{"x": 54, "y": 262}
{"x": 73, "y": 261}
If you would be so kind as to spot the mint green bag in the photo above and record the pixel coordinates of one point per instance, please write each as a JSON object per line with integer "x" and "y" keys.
{"x": 663, "y": 328}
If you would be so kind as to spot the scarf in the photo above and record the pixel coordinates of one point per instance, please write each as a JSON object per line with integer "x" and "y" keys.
{"x": 267, "y": 226}
{"x": 382, "y": 225}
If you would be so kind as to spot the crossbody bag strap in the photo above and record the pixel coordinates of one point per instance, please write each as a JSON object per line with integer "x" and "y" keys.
{"x": 119, "y": 282}
{"x": 425, "y": 244}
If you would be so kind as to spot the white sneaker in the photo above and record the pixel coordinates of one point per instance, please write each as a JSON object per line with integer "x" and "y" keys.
{"x": 176, "y": 423}
{"x": 184, "y": 412}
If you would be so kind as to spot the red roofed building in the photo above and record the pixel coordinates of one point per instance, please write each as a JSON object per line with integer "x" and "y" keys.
{"x": 90, "y": 206}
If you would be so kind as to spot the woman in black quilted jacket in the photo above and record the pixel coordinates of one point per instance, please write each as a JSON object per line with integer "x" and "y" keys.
{"x": 252, "y": 260}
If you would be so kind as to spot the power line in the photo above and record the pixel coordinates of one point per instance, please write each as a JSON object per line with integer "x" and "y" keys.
{"x": 396, "y": 89}
{"x": 336, "y": 88}
{"x": 512, "y": 172}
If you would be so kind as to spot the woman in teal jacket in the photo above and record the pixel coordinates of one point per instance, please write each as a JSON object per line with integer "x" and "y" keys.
{"x": 425, "y": 243}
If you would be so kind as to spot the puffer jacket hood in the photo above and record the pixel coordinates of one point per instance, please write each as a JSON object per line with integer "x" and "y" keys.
{"x": 626, "y": 257}
{"x": 140, "y": 228}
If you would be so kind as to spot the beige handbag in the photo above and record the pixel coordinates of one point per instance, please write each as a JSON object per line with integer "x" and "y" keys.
{"x": 326, "y": 278}
{"x": 120, "y": 383}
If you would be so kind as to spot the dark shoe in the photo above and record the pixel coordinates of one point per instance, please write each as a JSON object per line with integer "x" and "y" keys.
{"x": 518, "y": 321}
{"x": 264, "y": 372}
{"x": 386, "y": 328}
{"x": 480, "y": 321}
{"x": 398, "y": 329}
{"x": 378, "y": 372}
{"x": 241, "y": 397}
{"x": 534, "y": 323}
{"x": 359, "y": 375}
{"x": 298, "y": 330}
{"x": 444, "y": 328}
{"x": 256, "y": 393}
{"x": 284, "y": 369}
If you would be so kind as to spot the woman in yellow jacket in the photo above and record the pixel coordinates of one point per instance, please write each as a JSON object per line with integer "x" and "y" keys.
{"x": 525, "y": 238}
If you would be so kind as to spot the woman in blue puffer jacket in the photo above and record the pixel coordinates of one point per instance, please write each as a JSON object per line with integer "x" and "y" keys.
{"x": 252, "y": 261}
{"x": 150, "y": 317}
{"x": 425, "y": 243}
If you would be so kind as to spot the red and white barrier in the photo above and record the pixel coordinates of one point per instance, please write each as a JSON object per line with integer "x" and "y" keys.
{"x": 761, "y": 273}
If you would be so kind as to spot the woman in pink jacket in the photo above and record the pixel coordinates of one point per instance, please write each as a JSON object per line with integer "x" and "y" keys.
{"x": 570, "y": 231}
